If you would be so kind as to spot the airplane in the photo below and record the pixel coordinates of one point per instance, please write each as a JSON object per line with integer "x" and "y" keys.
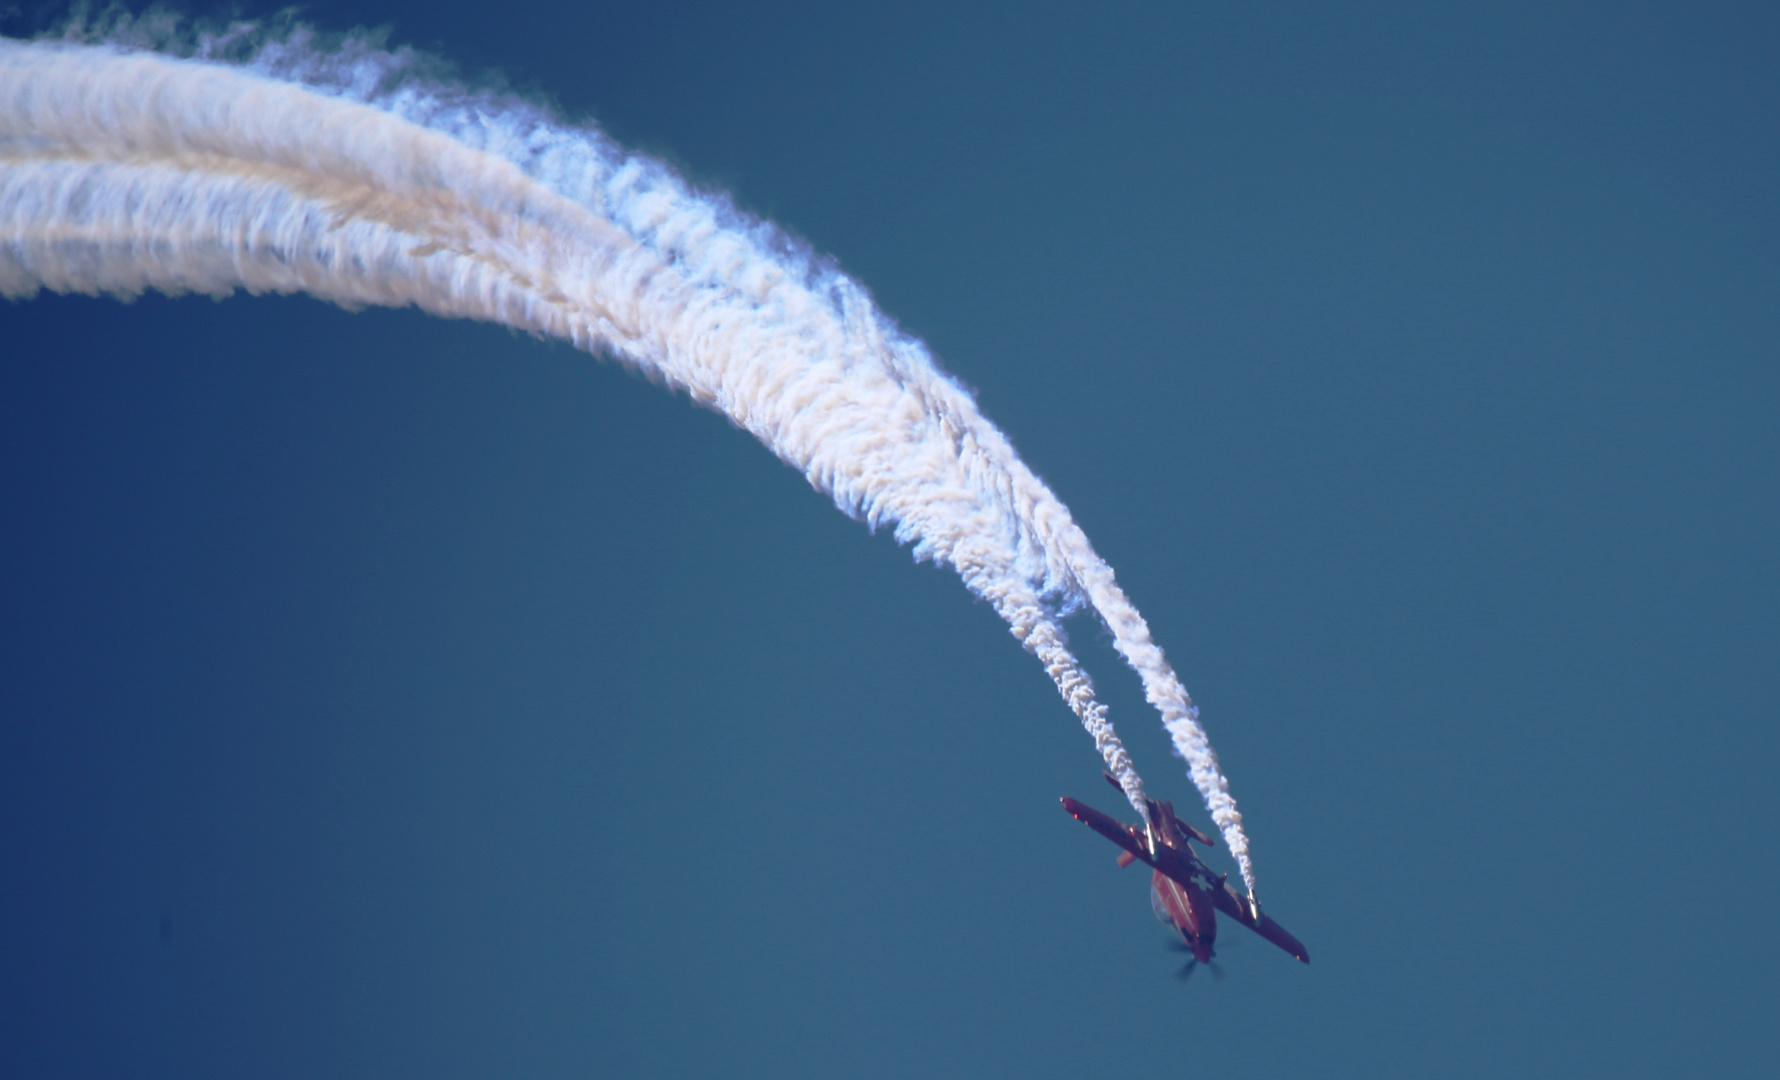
{"x": 1183, "y": 891}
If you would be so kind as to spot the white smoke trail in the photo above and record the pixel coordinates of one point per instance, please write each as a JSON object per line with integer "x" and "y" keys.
{"x": 336, "y": 174}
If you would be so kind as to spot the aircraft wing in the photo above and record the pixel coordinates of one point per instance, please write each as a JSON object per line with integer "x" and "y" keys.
{"x": 1232, "y": 904}
{"x": 1169, "y": 861}
{"x": 1110, "y": 827}
{"x": 1181, "y": 865}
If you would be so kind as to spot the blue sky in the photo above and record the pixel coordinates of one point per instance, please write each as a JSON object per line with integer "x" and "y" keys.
{"x": 403, "y": 697}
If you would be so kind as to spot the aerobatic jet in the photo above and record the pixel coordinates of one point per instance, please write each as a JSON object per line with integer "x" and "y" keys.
{"x": 1184, "y": 893}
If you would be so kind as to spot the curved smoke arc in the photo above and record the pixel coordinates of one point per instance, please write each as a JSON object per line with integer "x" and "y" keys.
{"x": 337, "y": 173}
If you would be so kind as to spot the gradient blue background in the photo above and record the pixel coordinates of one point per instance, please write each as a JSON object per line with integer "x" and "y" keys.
{"x": 384, "y": 696}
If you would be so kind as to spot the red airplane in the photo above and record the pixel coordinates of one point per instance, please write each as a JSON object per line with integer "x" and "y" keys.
{"x": 1183, "y": 891}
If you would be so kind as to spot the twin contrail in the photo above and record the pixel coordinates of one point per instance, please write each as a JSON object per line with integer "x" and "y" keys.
{"x": 338, "y": 174}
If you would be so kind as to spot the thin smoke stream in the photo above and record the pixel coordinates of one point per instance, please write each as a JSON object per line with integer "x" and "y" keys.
{"x": 330, "y": 172}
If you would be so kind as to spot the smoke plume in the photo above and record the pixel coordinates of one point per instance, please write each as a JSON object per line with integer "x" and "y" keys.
{"x": 273, "y": 164}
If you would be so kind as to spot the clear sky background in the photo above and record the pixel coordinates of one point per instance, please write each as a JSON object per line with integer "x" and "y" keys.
{"x": 385, "y": 696}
